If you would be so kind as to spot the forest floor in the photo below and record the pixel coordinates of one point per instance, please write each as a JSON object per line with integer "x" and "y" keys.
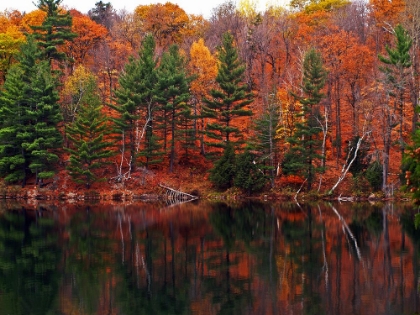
{"x": 192, "y": 179}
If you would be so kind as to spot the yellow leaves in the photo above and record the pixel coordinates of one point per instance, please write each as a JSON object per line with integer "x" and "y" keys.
{"x": 204, "y": 65}
{"x": 275, "y": 10}
{"x": 247, "y": 8}
{"x": 11, "y": 38}
{"x": 75, "y": 88}
{"x": 289, "y": 110}
{"x": 311, "y": 6}
{"x": 76, "y": 83}
{"x": 325, "y": 5}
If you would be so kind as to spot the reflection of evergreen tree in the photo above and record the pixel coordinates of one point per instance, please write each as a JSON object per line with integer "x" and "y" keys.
{"x": 304, "y": 242}
{"x": 86, "y": 263}
{"x": 162, "y": 287}
{"x": 29, "y": 256}
{"x": 364, "y": 228}
{"x": 231, "y": 294}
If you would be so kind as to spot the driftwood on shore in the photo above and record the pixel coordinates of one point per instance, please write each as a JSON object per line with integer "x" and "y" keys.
{"x": 174, "y": 195}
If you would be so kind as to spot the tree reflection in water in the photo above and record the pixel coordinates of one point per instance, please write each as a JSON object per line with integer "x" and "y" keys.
{"x": 29, "y": 255}
{"x": 213, "y": 258}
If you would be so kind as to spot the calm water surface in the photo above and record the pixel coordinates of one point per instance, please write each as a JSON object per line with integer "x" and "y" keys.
{"x": 208, "y": 258}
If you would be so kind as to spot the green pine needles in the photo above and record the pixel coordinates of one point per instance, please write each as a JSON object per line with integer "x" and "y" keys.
{"x": 30, "y": 114}
{"x": 89, "y": 137}
{"x": 303, "y": 157}
{"x": 229, "y": 101}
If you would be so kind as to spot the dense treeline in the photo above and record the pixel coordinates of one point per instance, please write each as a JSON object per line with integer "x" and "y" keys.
{"x": 289, "y": 96}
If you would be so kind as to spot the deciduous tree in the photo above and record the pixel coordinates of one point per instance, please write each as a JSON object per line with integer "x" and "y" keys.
{"x": 203, "y": 65}
{"x": 89, "y": 34}
{"x": 395, "y": 71}
{"x": 10, "y": 41}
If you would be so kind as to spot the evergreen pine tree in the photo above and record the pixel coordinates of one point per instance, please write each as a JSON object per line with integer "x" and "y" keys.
{"x": 229, "y": 102}
{"x": 223, "y": 171}
{"x": 46, "y": 137}
{"x": 13, "y": 158}
{"x": 249, "y": 176}
{"x": 135, "y": 104}
{"x": 54, "y": 32}
{"x": 30, "y": 116}
{"x": 103, "y": 13}
{"x": 306, "y": 144}
{"x": 88, "y": 132}
{"x": 172, "y": 93}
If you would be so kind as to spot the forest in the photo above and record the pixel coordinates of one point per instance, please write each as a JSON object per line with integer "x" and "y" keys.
{"x": 320, "y": 96}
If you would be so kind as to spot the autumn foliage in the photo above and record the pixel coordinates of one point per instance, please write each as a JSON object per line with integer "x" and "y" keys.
{"x": 359, "y": 98}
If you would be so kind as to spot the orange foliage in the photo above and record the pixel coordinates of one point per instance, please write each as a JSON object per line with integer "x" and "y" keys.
{"x": 89, "y": 34}
{"x": 35, "y": 18}
{"x": 272, "y": 46}
{"x": 386, "y": 11}
{"x": 167, "y": 22}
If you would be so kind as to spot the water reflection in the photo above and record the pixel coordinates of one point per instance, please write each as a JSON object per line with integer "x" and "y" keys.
{"x": 29, "y": 257}
{"x": 209, "y": 258}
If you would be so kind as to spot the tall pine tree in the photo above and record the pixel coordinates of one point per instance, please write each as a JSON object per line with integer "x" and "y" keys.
{"x": 172, "y": 93}
{"x": 229, "y": 101}
{"x": 30, "y": 115}
{"x": 135, "y": 105}
{"x": 88, "y": 135}
{"x": 54, "y": 32}
{"x": 306, "y": 143}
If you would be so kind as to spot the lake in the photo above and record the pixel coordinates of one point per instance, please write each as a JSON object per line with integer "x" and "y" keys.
{"x": 209, "y": 258}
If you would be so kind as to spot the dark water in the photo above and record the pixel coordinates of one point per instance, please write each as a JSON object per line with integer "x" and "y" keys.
{"x": 209, "y": 259}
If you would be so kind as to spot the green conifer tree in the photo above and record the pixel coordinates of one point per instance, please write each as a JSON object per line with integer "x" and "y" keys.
{"x": 54, "y": 32}
{"x": 135, "y": 105}
{"x": 230, "y": 100}
{"x": 13, "y": 158}
{"x": 88, "y": 135}
{"x": 223, "y": 172}
{"x": 30, "y": 115}
{"x": 249, "y": 175}
{"x": 172, "y": 93}
{"x": 306, "y": 144}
